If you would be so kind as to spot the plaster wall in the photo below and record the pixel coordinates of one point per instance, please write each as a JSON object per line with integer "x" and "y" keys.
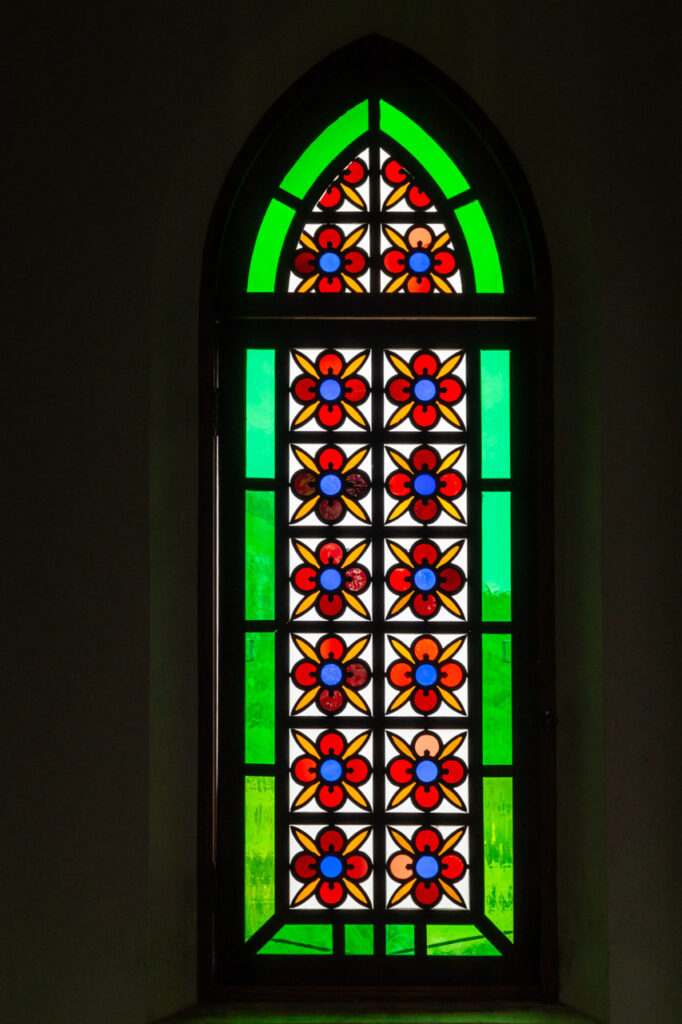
{"x": 122, "y": 123}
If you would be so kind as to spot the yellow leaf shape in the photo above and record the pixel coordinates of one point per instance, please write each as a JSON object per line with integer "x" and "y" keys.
{"x": 454, "y": 744}
{"x": 306, "y": 842}
{"x": 450, "y": 459}
{"x": 399, "y": 604}
{"x": 307, "y": 284}
{"x": 401, "y": 745}
{"x": 356, "y": 841}
{"x": 357, "y": 510}
{"x": 306, "y": 796}
{"x": 451, "y": 605}
{"x": 398, "y": 510}
{"x": 451, "y": 649}
{"x": 394, "y": 237}
{"x": 355, "y": 364}
{"x": 351, "y": 283}
{"x": 450, "y": 699}
{"x": 305, "y": 414}
{"x": 449, "y": 554}
{"x": 356, "y": 604}
{"x": 451, "y": 841}
{"x": 305, "y": 459}
{"x": 354, "y": 196}
{"x": 303, "y": 510}
{"x": 306, "y": 554}
{"x": 355, "y": 699}
{"x": 355, "y": 415}
{"x": 400, "y": 648}
{"x": 355, "y": 553}
{"x": 356, "y": 891}
{"x": 355, "y": 745}
{"x": 305, "y": 699}
{"x": 306, "y": 649}
{"x": 401, "y": 699}
{"x": 396, "y": 283}
{"x": 399, "y": 364}
{"x": 400, "y": 840}
{"x": 449, "y": 365}
{"x": 355, "y": 649}
{"x": 354, "y": 237}
{"x": 400, "y": 553}
{"x": 450, "y": 891}
{"x": 451, "y": 509}
{"x": 355, "y": 459}
{"x": 305, "y": 744}
{"x": 442, "y": 284}
{"x": 402, "y": 795}
{"x": 356, "y": 796}
{"x": 440, "y": 242}
{"x": 452, "y": 797}
{"x": 308, "y": 242}
{"x": 396, "y": 195}
{"x": 402, "y": 892}
{"x": 307, "y": 602}
{"x": 449, "y": 414}
{"x": 307, "y": 890}
{"x": 400, "y": 460}
{"x": 400, "y": 414}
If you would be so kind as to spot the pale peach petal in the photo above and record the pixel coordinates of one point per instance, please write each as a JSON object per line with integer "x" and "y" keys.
{"x": 401, "y": 866}
{"x": 427, "y": 745}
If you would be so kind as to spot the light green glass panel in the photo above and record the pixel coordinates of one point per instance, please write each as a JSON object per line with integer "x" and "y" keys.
{"x": 259, "y": 851}
{"x": 400, "y": 940}
{"x": 259, "y": 706}
{"x": 495, "y": 413}
{"x": 482, "y": 248}
{"x": 269, "y": 242}
{"x": 457, "y": 940}
{"x": 260, "y": 412}
{"x": 325, "y": 148}
{"x": 498, "y": 852}
{"x": 497, "y": 699}
{"x": 306, "y": 939}
{"x": 496, "y": 556}
{"x": 260, "y": 555}
{"x": 426, "y": 150}
{"x": 359, "y": 939}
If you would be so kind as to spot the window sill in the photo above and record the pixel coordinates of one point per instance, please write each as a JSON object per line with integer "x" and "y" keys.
{"x": 273, "y": 1013}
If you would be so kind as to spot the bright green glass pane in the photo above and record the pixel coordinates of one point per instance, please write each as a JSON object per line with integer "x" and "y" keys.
{"x": 400, "y": 940}
{"x": 457, "y": 940}
{"x": 259, "y": 709}
{"x": 269, "y": 242}
{"x": 496, "y": 676}
{"x": 498, "y": 851}
{"x": 259, "y": 852}
{"x": 325, "y": 148}
{"x": 496, "y": 556}
{"x": 306, "y": 939}
{"x": 260, "y": 555}
{"x": 359, "y": 939}
{"x": 495, "y": 413}
{"x": 426, "y": 150}
{"x": 260, "y": 412}
{"x": 482, "y": 248}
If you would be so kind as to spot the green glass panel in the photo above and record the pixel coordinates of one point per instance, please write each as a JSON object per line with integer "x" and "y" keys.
{"x": 259, "y": 851}
{"x": 495, "y": 413}
{"x": 359, "y": 939}
{"x": 259, "y": 708}
{"x": 482, "y": 248}
{"x": 260, "y": 555}
{"x": 260, "y": 412}
{"x": 305, "y": 939}
{"x": 269, "y": 242}
{"x": 400, "y": 940}
{"x": 431, "y": 156}
{"x": 496, "y": 556}
{"x": 497, "y": 711}
{"x": 457, "y": 940}
{"x": 498, "y": 851}
{"x": 325, "y": 148}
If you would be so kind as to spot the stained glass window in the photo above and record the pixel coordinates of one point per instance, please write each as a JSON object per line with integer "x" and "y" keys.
{"x": 376, "y": 780}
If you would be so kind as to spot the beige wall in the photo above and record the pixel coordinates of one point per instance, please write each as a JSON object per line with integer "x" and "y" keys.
{"x": 123, "y": 121}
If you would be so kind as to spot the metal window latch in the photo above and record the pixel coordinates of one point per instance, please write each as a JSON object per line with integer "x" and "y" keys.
{"x": 549, "y": 720}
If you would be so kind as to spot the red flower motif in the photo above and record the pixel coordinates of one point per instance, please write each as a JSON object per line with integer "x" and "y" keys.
{"x": 425, "y": 389}
{"x": 330, "y": 770}
{"x": 425, "y": 579}
{"x": 402, "y": 187}
{"x": 424, "y": 484}
{"x": 426, "y": 771}
{"x": 330, "y": 484}
{"x": 419, "y": 260}
{"x": 330, "y": 262}
{"x": 345, "y": 187}
{"x": 426, "y": 675}
{"x": 426, "y": 867}
{"x": 330, "y": 579}
{"x": 331, "y": 674}
{"x": 331, "y": 867}
{"x": 329, "y": 389}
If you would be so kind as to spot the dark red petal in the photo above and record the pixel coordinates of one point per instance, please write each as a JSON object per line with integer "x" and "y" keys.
{"x": 304, "y": 483}
{"x": 305, "y": 769}
{"x": 329, "y": 238}
{"x": 452, "y": 675}
{"x": 451, "y": 484}
{"x": 425, "y": 701}
{"x": 356, "y": 389}
{"x": 330, "y": 797}
{"x": 330, "y": 605}
{"x": 357, "y": 770}
{"x": 427, "y": 840}
{"x": 330, "y": 415}
{"x": 400, "y": 484}
{"x": 427, "y": 797}
{"x": 400, "y": 579}
{"x": 357, "y": 674}
{"x": 305, "y": 578}
{"x": 425, "y": 605}
{"x": 329, "y": 284}
{"x": 304, "y": 261}
{"x": 444, "y": 263}
{"x": 305, "y": 389}
{"x": 425, "y": 553}
{"x": 424, "y": 416}
{"x": 355, "y": 579}
{"x": 451, "y": 390}
{"x": 394, "y": 261}
{"x": 418, "y": 198}
{"x": 332, "y": 893}
{"x": 399, "y": 389}
{"x": 453, "y": 770}
{"x": 450, "y": 580}
{"x": 330, "y": 509}
{"x": 304, "y": 866}
{"x": 394, "y": 172}
{"x": 419, "y": 284}
{"x": 355, "y": 173}
{"x": 332, "y": 198}
{"x": 331, "y": 648}
{"x": 330, "y": 700}
{"x": 424, "y": 459}
{"x": 331, "y": 840}
{"x": 356, "y": 484}
{"x": 400, "y": 674}
{"x": 425, "y": 509}
{"x": 331, "y": 744}
{"x": 331, "y": 553}
{"x": 400, "y": 770}
{"x": 305, "y": 673}
{"x": 354, "y": 262}
{"x": 330, "y": 458}
{"x": 426, "y": 893}
{"x": 357, "y": 866}
{"x": 452, "y": 866}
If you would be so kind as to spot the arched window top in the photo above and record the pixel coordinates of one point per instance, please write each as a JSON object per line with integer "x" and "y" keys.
{"x": 442, "y": 144}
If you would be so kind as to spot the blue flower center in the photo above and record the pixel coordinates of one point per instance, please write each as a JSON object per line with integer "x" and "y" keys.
{"x": 419, "y": 262}
{"x": 330, "y": 484}
{"x": 424, "y": 390}
{"x": 424, "y": 579}
{"x": 426, "y": 675}
{"x": 331, "y": 770}
{"x": 426, "y": 770}
{"x": 331, "y": 866}
{"x": 426, "y": 866}
{"x": 424, "y": 484}
{"x": 330, "y": 262}
{"x": 330, "y": 389}
{"x": 330, "y": 579}
{"x": 331, "y": 674}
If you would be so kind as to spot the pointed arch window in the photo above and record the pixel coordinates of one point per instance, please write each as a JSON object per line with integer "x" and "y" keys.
{"x": 375, "y": 283}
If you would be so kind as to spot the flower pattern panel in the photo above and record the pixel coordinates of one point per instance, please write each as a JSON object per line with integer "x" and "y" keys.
{"x": 328, "y": 482}
{"x": 428, "y": 867}
{"x": 423, "y": 579}
{"x": 330, "y": 674}
{"x": 330, "y": 259}
{"x": 329, "y": 581}
{"x": 327, "y": 389}
{"x": 422, "y": 390}
{"x": 426, "y": 674}
{"x": 330, "y": 867}
{"x": 427, "y": 770}
{"x": 419, "y": 259}
{"x": 329, "y": 769}
{"x": 425, "y": 484}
